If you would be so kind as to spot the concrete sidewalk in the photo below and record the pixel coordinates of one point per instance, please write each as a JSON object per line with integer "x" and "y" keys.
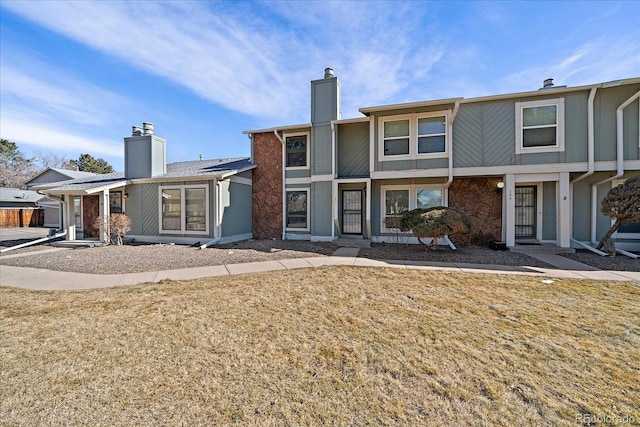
{"x": 40, "y": 279}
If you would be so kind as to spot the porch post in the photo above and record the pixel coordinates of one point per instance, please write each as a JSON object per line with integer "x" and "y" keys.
{"x": 334, "y": 208}
{"x": 510, "y": 210}
{"x": 104, "y": 212}
{"x": 69, "y": 218}
{"x": 563, "y": 231}
{"x": 367, "y": 219}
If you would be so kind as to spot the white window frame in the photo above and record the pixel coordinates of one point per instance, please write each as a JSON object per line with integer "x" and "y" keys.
{"x": 308, "y": 150}
{"x": 413, "y": 200}
{"x": 618, "y": 234}
{"x": 305, "y": 190}
{"x": 559, "y": 146}
{"x": 183, "y": 208}
{"x": 413, "y": 136}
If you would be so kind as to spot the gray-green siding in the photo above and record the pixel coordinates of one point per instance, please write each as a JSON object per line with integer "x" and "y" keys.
{"x": 549, "y": 211}
{"x": 235, "y": 201}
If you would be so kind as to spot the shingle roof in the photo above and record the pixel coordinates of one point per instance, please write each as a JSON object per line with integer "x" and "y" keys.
{"x": 17, "y": 195}
{"x": 74, "y": 174}
{"x": 197, "y": 168}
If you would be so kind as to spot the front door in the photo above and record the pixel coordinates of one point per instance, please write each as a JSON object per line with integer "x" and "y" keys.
{"x": 526, "y": 212}
{"x": 352, "y": 212}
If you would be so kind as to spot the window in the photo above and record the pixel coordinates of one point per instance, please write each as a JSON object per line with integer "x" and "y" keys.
{"x": 115, "y": 202}
{"x": 630, "y": 230}
{"x": 540, "y": 126}
{"x": 297, "y": 147}
{"x": 396, "y": 137}
{"x": 431, "y": 135}
{"x": 413, "y": 136}
{"x": 184, "y": 209}
{"x": 400, "y": 199}
{"x": 396, "y": 203}
{"x": 297, "y": 210}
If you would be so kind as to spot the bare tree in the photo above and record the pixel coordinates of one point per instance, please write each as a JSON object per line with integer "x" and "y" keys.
{"x": 622, "y": 204}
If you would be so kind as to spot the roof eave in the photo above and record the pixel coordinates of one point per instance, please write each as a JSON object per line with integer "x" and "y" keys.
{"x": 369, "y": 110}
{"x": 277, "y": 128}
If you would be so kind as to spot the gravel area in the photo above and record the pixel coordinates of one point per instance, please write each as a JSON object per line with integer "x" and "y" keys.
{"x": 618, "y": 262}
{"x": 133, "y": 258}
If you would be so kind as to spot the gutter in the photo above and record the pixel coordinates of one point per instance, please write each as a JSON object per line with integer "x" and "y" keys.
{"x": 619, "y": 160}
{"x": 284, "y": 192}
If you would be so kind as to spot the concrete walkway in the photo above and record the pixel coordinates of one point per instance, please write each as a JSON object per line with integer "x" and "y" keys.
{"x": 40, "y": 279}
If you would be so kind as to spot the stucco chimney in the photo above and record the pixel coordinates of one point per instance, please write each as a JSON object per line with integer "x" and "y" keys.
{"x": 144, "y": 153}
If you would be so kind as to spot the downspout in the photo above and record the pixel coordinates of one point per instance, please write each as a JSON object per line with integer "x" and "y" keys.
{"x": 619, "y": 160}
{"x": 284, "y": 192}
{"x": 450, "y": 156}
{"x": 590, "y": 154}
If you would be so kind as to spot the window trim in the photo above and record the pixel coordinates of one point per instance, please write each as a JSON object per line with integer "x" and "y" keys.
{"x": 559, "y": 146}
{"x": 413, "y": 136}
{"x": 308, "y": 150}
{"x": 413, "y": 200}
{"x": 305, "y": 190}
{"x": 183, "y": 208}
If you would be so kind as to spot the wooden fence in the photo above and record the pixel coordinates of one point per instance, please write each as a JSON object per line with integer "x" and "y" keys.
{"x": 25, "y": 217}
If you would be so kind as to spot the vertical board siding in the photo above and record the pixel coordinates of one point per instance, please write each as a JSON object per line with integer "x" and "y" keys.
{"x": 321, "y": 206}
{"x": 353, "y": 150}
{"x": 549, "y": 210}
{"x": 321, "y": 149}
{"x": 576, "y": 127}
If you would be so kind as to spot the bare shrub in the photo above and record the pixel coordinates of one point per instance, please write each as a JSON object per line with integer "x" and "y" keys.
{"x": 119, "y": 225}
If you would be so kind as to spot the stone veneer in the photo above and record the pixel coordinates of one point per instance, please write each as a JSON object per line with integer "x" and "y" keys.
{"x": 267, "y": 186}
{"x": 478, "y": 198}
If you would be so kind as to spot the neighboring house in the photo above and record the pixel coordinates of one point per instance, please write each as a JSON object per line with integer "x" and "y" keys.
{"x": 204, "y": 201}
{"x": 52, "y": 207}
{"x": 20, "y": 208}
{"x": 528, "y": 167}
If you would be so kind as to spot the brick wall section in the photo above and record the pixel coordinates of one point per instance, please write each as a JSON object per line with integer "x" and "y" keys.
{"x": 478, "y": 198}
{"x": 267, "y": 186}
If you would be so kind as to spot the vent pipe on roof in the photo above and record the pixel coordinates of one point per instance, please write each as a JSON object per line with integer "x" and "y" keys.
{"x": 328, "y": 73}
{"x": 136, "y": 131}
{"x": 547, "y": 83}
{"x": 201, "y": 157}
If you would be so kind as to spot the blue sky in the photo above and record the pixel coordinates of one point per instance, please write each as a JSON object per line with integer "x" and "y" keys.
{"x": 75, "y": 76}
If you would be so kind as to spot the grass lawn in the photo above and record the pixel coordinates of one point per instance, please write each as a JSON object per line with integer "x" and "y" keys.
{"x": 338, "y": 346}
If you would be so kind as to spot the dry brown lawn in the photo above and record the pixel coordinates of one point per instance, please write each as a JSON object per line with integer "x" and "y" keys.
{"x": 337, "y": 346}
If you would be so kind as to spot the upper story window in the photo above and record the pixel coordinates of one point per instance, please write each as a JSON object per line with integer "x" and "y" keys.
{"x": 413, "y": 136}
{"x": 396, "y": 137}
{"x": 297, "y": 146}
{"x": 540, "y": 126}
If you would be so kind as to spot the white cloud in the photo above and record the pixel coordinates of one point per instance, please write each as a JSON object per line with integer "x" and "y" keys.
{"x": 23, "y": 130}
